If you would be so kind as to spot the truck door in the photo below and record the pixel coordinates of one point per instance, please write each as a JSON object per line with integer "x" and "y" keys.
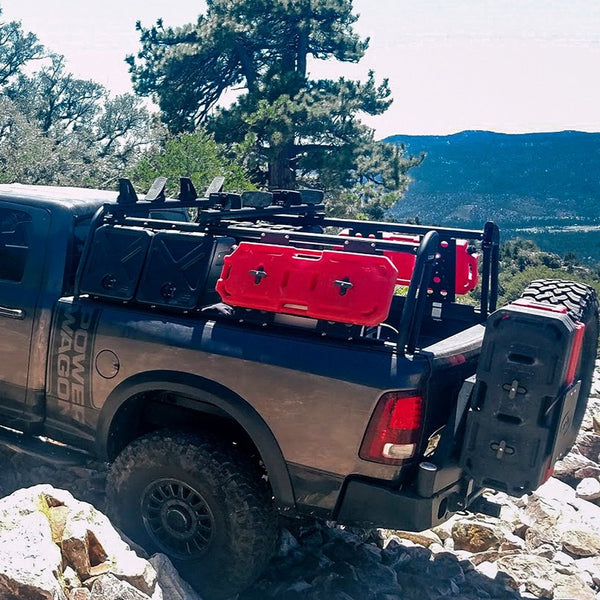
{"x": 23, "y": 247}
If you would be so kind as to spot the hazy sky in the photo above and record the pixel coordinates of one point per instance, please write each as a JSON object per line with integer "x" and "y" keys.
{"x": 502, "y": 65}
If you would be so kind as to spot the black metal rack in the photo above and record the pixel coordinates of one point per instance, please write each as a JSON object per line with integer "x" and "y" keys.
{"x": 298, "y": 218}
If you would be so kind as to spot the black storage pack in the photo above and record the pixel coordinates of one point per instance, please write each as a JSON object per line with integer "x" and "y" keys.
{"x": 170, "y": 269}
{"x": 176, "y": 268}
{"x": 181, "y": 269}
{"x": 115, "y": 261}
{"x": 521, "y": 413}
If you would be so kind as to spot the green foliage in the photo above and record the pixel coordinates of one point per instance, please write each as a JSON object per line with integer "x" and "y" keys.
{"x": 521, "y": 261}
{"x": 259, "y": 45}
{"x": 29, "y": 155}
{"x": 558, "y": 168}
{"x": 57, "y": 101}
{"x": 25, "y": 154}
{"x": 57, "y": 129}
{"x": 287, "y": 130}
{"x": 17, "y": 48}
{"x": 376, "y": 182}
{"x": 540, "y": 185}
{"x": 194, "y": 155}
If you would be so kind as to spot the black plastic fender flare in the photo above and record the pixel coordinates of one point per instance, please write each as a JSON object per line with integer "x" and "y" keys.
{"x": 197, "y": 390}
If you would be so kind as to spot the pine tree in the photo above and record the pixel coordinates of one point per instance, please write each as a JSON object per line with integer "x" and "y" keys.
{"x": 292, "y": 130}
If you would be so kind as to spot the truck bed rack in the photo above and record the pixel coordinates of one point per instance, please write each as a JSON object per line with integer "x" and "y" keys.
{"x": 187, "y": 253}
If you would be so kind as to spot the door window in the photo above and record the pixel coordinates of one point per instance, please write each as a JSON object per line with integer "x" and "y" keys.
{"x": 15, "y": 235}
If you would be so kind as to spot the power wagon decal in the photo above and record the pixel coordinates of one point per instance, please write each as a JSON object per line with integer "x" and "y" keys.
{"x": 71, "y": 355}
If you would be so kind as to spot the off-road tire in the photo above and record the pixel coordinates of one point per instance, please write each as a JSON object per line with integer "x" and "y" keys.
{"x": 199, "y": 500}
{"x": 582, "y": 304}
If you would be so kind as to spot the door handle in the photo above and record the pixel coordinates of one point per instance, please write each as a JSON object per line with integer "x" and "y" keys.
{"x": 12, "y": 313}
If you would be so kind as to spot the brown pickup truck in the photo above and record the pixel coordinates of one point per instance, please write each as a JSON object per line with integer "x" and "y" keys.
{"x": 242, "y": 357}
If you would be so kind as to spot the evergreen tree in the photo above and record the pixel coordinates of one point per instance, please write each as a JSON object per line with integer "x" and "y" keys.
{"x": 291, "y": 130}
{"x": 58, "y": 129}
{"x": 194, "y": 155}
{"x": 16, "y": 49}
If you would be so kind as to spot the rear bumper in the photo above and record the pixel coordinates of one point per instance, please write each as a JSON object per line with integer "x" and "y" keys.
{"x": 370, "y": 503}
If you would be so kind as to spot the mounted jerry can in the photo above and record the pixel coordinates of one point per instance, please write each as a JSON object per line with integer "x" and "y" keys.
{"x": 521, "y": 416}
{"x": 345, "y": 287}
{"x": 114, "y": 262}
{"x": 456, "y": 254}
{"x": 181, "y": 269}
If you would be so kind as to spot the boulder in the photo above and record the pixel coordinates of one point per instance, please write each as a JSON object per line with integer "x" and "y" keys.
{"x": 108, "y": 587}
{"x": 589, "y": 471}
{"x": 591, "y": 566}
{"x": 476, "y": 536}
{"x": 571, "y": 587}
{"x": 25, "y": 544}
{"x": 423, "y": 538}
{"x": 534, "y": 573}
{"x": 574, "y": 462}
{"x": 172, "y": 586}
{"x": 588, "y": 489}
{"x": 581, "y": 542}
{"x": 83, "y": 556}
{"x": 588, "y": 444}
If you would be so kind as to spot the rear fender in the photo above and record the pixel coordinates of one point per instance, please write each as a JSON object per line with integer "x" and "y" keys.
{"x": 194, "y": 392}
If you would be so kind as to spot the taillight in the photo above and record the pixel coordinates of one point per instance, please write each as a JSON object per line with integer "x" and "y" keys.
{"x": 575, "y": 353}
{"x": 394, "y": 429}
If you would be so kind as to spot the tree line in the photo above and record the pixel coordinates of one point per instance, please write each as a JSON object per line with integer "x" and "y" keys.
{"x": 235, "y": 96}
{"x": 56, "y": 128}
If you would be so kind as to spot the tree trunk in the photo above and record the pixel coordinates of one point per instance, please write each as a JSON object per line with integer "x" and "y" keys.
{"x": 282, "y": 175}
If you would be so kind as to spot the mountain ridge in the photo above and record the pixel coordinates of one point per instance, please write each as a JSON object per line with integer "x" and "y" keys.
{"x": 531, "y": 184}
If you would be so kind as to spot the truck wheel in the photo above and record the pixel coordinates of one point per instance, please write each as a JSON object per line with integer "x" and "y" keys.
{"x": 201, "y": 502}
{"x": 582, "y": 304}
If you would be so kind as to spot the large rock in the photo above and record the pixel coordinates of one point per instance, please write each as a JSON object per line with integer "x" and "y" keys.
{"x": 588, "y": 444}
{"x": 476, "y": 536}
{"x": 25, "y": 544}
{"x": 581, "y": 543}
{"x": 108, "y": 587}
{"x": 172, "y": 586}
{"x": 424, "y": 538}
{"x": 588, "y": 489}
{"x": 82, "y": 556}
{"x": 591, "y": 566}
{"x": 571, "y": 465}
{"x": 540, "y": 577}
{"x": 570, "y": 587}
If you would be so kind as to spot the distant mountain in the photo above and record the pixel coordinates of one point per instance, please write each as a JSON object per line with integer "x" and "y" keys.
{"x": 536, "y": 184}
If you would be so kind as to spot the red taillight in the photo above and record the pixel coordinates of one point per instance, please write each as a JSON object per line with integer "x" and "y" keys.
{"x": 393, "y": 432}
{"x": 575, "y": 353}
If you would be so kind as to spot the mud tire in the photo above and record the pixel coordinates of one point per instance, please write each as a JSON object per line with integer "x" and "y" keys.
{"x": 199, "y": 500}
{"x": 582, "y": 304}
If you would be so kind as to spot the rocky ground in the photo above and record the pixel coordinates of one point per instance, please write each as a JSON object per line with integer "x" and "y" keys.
{"x": 546, "y": 545}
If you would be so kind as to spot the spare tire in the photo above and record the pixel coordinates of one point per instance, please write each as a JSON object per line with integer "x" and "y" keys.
{"x": 581, "y": 302}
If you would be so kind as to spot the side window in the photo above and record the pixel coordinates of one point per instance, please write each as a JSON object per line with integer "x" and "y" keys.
{"x": 15, "y": 236}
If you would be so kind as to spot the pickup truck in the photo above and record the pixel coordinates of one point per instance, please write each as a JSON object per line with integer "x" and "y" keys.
{"x": 239, "y": 358}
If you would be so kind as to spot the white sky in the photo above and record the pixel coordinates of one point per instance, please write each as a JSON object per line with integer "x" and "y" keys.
{"x": 503, "y": 65}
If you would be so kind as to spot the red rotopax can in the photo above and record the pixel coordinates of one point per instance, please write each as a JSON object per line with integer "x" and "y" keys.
{"x": 345, "y": 287}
